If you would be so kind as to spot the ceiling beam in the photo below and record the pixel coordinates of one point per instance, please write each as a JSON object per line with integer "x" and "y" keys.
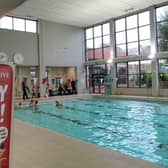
{"x": 7, "y": 5}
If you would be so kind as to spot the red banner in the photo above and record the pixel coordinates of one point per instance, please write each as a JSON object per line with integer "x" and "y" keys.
{"x": 6, "y": 96}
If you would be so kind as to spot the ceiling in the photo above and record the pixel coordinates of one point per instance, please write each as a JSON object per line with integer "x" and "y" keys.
{"x": 80, "y": 13}
{"x": 8, "y": 5}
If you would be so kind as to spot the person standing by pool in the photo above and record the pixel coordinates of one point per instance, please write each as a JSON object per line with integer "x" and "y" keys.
{"x": 73, "y": 85}
{"x": 24, "y": 88}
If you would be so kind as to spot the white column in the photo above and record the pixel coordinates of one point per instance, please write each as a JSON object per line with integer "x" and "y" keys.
{"x": 112, "y": 49}
{"x": 155, "y": 82}
{"x": 40, "y": 59}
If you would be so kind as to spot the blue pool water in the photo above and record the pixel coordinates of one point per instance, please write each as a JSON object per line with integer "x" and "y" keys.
{"x": 134, "y": 127}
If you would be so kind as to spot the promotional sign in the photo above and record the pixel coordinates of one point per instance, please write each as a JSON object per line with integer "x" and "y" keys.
{"x": 6, "y": 96}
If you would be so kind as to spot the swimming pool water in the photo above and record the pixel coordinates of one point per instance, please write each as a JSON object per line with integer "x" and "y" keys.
{"x": 134, "y": 127}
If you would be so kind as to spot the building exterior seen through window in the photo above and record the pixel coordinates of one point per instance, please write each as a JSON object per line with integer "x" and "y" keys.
{"x": 133, "y": 35}
{"x": 162, "y": 28}
{"x": 98, "y": 42}
{"x": 134, "y": 74}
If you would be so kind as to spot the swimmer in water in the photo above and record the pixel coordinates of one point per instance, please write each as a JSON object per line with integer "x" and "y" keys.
{"x": 58, "y": 104}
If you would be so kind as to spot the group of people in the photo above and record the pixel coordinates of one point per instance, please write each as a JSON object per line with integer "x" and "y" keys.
{"x": 32, "y": 103}
{"x": 66, "y": 89}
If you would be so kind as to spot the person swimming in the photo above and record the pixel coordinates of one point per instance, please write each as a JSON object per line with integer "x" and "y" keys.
{"x": 58, "y": 104}
{"x": 31, "y": 103}
{"x": 36, "y": 105}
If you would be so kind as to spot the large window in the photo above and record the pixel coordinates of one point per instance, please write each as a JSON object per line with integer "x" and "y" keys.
{"x": 134, "y": 74}
{"x": 133, "y": 35}
{"x": 162, "y": 28}
{"x": 163, "y": 73}
{"x": 122, "y": 74}
{"x": 98, "y": 42}
{"x": 6, "y": 23}
{"x": 18, "y": 24}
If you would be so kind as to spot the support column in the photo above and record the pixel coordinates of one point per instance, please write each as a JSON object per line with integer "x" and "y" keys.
{"x": 112, "y": 49}
{"x": 40, "y": 59}
{"x": 155, "y": 82}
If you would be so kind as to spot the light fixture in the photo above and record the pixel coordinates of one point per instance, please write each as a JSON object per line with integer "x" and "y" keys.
{"x": 151, "y": 56}
{"x": 109, "y": 61}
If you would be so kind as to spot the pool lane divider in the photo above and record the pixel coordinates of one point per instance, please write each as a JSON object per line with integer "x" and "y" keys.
{"x": 78, "y": 122}
{"x": 110, "y": 115}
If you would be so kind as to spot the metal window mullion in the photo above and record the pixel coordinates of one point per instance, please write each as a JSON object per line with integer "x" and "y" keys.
{"x": 102, "y": 41}
{"x": 138, "y": 34}
{"x": 93, "y": 44}
{"x": 127, "y": 75}
{"x": 85, "y": 46}
{"x": 126, "y": 42}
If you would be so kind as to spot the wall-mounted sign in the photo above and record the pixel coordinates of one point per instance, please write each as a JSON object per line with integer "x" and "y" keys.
{"x": 6, "y": 97}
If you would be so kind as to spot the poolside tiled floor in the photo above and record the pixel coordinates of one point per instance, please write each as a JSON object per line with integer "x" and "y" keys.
{"x": 36, "y": 147}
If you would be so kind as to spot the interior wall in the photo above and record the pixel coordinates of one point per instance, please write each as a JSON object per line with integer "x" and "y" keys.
{"x": 22, "y": 42}
{"x": 63, "y": 45}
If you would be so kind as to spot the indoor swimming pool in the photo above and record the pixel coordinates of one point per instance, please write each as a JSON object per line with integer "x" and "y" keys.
{"x": 135, "y": 127}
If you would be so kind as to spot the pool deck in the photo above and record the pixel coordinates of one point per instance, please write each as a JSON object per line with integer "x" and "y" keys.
{"x": 36, "y": 147}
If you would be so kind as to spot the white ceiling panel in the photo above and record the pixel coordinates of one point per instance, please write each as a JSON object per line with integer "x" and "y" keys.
{"x": 79, "y": 12}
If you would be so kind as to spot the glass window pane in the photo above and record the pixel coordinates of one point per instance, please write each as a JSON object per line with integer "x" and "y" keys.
{"x": 89, "y": 33}
{"x": 121, "y": 69}
{"x": 133, "y": 67}
{"x": 132, "y": 35}
{"x": 133, "y": 48}
{"x": 89, "y": 44}
{"x": 131, "y": 21}
{"x": 19, "y": 24}
{"x": 121, "y": 50}
{"x": 162, "y": 44}
{"x": 106, "y": 28}
{"x": 122, "y": 75}
{"x": 89, "y": 54}
{"x": 144, "y": 32}
{"x": 161, "y": 13}
{"x": 107, "y": 53}
{"x": 31, "y": 26}
{"x": 144, "y": 18}
{"x": 120, "y": 25}
{"x": 133, "y": 80}
{"x": 98, "y": 53}
{"x": 145, "y": 47}
{"x": 6, "y": 22}
{"x": 97, "y": 31}
{"x": 146, "y": 66}
{"x": 106, "y": 41}
{"x": 163, "y": 65}
{"x": 162, "y": 29}
{"x": 163, "y": 73}
{"x": 98, "y": 42}
{"x": 120, "y": 38}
